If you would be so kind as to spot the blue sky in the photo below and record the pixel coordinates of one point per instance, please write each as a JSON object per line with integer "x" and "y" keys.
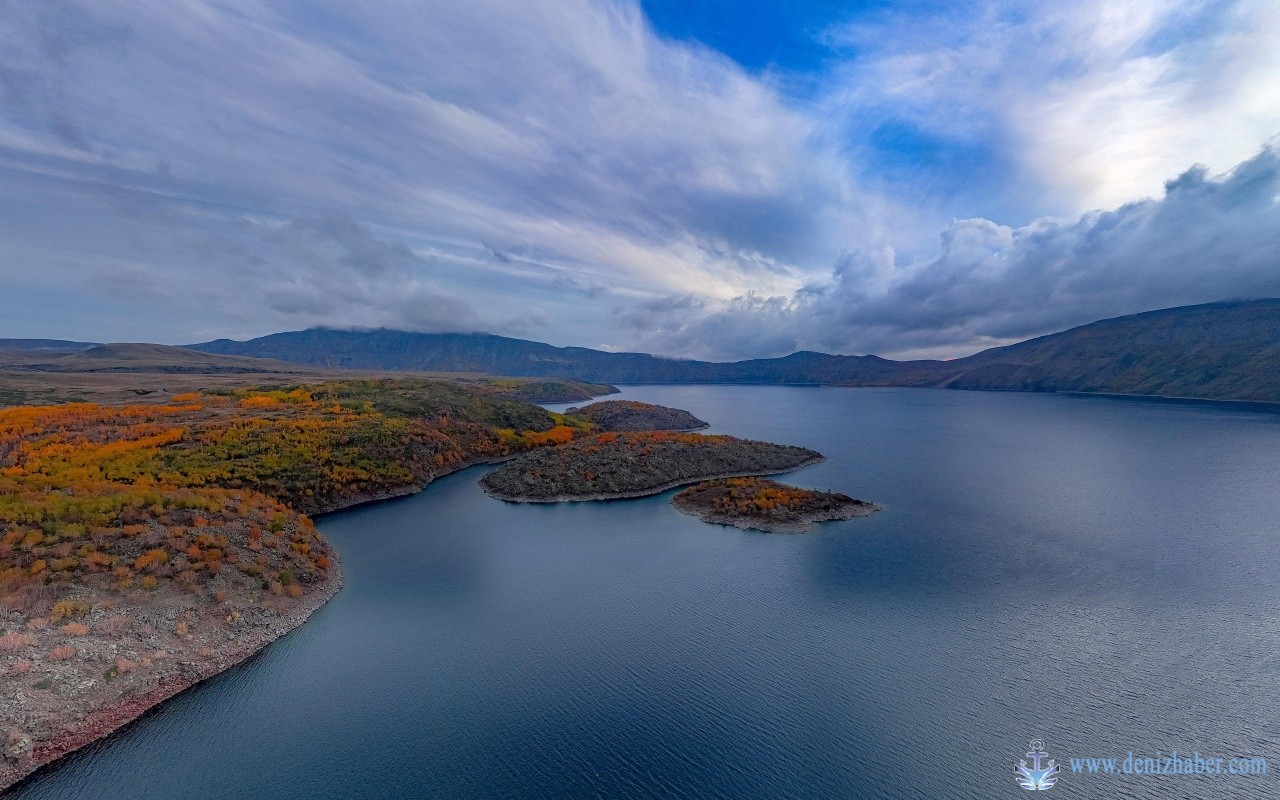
{"x": 711, "y": 179}
{"x": 762, "y": 35}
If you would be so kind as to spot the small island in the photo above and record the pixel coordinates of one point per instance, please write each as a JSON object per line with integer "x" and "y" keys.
{"x": 631, "y": 415}
{"x": 614, "y": 466}
{"x": 761, "y": 504}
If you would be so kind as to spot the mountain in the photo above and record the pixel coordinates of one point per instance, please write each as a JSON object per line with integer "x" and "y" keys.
{"x": 1228, "y": 350}
{"x": 384, "y": 349}
{"x": 1223, "y": 351}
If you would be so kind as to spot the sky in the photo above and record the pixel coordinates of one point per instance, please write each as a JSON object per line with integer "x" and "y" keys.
{"x": 695, "y": 179}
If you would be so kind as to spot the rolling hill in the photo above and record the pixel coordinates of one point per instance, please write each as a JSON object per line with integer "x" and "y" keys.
{"x": 43, "y": 346}
{"x": 127, "y": 357}
{"x": 1227, "y": 351}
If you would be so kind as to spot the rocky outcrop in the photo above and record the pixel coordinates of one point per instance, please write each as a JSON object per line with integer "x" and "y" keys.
{"x": 765, "y": 505}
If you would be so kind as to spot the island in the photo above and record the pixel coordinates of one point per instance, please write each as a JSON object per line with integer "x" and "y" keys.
{"x": 631, "y": 415}
{"x": 615, "y": 466}
{"x": 761, "y": 504}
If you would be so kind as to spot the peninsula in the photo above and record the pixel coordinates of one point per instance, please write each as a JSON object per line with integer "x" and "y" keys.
{"x": 147, "y": 546}
{"x": 614, "y": 466}
{"x": 761, "y": 504}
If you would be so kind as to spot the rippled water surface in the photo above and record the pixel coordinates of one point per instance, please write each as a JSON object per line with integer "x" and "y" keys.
{"x": 1103, "y": 574}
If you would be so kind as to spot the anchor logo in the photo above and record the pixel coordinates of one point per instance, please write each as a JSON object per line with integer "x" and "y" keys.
{"x": 1036, "y": 778}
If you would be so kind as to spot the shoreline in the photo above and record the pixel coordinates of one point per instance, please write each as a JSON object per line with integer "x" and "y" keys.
{"x": 104, "y": 722}
{"x": 562, "y": 498}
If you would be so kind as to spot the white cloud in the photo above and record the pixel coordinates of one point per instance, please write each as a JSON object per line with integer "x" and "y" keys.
{"x": 1099, "y": 101}
{"x": 566, "y": 125}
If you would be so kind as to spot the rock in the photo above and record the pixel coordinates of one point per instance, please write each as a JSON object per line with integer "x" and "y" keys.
{"x": 17, "y": 745}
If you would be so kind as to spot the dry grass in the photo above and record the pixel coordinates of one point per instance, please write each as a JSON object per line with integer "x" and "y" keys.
{"x": 31, "y": 598}
{"x": 63, "y": 653}
{"x": 113, "y": 626}
{"x": 12, "y": 642}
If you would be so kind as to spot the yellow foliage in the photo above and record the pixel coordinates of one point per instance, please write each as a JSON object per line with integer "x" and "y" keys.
{"x": 66, "y": 609}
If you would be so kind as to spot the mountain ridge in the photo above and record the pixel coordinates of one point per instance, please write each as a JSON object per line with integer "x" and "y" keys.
{"x": 1227, "y": 350}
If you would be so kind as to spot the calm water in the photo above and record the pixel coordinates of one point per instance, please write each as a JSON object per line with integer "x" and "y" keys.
{"x": 1103, "y": 574}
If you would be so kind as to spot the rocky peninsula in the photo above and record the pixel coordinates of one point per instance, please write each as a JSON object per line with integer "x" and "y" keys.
{"x": 760, "y": 504}
{"x": 631, "y": 415}
{"x": 613, "y": 466}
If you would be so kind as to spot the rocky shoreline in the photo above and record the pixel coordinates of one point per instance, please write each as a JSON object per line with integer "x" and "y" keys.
{"x": 182, "y": 672}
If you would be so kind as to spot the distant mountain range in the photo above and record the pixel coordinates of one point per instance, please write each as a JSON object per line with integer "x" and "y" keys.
{"x": 1222, "y": 351}
{"x": 1227, "y": 350}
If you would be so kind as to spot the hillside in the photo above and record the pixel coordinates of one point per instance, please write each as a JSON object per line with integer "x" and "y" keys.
{"x": 1223, "y": 351}
{"x": 130, "y": 357}
{"x": 44, "y": 345}
{"x": 113, "y": 373}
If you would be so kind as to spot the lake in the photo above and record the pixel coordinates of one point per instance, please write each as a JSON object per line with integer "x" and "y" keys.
{"x": 1098, "y": 573}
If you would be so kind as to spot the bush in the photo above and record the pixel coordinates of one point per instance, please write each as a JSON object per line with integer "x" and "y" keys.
{"x": 63, "y": 653}
{"x": 11, "y": 642}
{"x": 67, "y": 609}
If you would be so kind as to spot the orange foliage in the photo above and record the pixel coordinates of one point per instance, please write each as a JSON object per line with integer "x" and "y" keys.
{"x": 62, "y": 653}
{"x": 259, "y": 401}
{"x": 156, "y": 555}
{"x": 96, "y": 493}
{"x": 560, "y": 434}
